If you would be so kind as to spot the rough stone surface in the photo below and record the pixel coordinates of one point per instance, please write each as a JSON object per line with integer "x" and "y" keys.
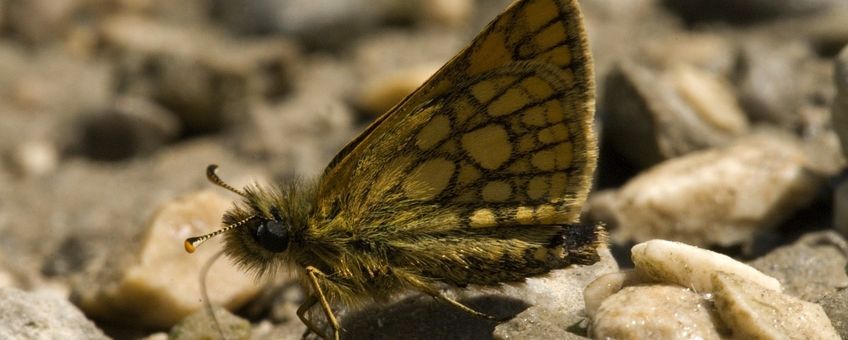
{"x": 655, "y": 312}
{"x": 810, "y": 268}
{"x": 835, "y": 305}
{"x": 557, "y": 302}
{"x": 38, "y": 316}
{"x": 753, "y": 312}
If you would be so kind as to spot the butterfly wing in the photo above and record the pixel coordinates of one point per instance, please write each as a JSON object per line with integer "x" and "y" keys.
{"x": 501, "y": 135}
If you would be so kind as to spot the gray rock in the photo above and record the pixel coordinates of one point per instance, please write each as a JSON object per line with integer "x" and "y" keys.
{"x": 37, "y": 316}
{"x": 835, "y": 304}
{"x": 538, "y": 322}
{"x": 810, "y": 268}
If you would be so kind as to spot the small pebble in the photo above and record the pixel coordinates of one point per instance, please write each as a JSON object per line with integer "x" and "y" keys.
{"x": 34, "y": 158}
{"x": 6, "y": 279}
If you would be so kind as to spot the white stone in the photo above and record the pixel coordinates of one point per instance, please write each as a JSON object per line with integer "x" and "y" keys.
{"x": 691, "y": 267}
{"x": 715, "y": 197}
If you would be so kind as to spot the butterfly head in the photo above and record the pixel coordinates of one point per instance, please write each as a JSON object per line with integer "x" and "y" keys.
{"x": 259, "y": 231}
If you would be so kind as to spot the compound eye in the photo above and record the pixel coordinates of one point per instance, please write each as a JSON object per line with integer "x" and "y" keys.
{"x": 273, "y": 236}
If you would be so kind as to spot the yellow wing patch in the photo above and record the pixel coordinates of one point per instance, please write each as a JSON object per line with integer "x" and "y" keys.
{"x": 502, "y": 135}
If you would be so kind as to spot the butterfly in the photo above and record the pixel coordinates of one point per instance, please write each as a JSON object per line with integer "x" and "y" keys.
{"x": 477, "y": 177}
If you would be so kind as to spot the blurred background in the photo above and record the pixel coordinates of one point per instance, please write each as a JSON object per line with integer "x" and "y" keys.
{"x": 720, "y": 124}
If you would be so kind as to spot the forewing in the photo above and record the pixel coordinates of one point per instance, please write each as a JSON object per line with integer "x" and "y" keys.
{"x": 499, "y": 136}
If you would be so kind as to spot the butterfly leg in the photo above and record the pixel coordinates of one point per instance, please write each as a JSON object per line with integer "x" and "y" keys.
{"x": 301, "y": 314}
{"x": 464, "y": 308}
{"x": 313, "y": 274}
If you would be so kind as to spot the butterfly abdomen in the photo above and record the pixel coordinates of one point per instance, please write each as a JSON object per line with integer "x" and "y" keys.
{"x": 489, "y": 256}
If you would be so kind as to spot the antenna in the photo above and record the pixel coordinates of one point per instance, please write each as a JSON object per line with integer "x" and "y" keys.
{"x": 191, "y": 243}
{"x": 211, "y": 174}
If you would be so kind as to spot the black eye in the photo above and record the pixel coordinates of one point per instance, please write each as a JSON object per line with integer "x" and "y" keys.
{"x": 273, "y": 236}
